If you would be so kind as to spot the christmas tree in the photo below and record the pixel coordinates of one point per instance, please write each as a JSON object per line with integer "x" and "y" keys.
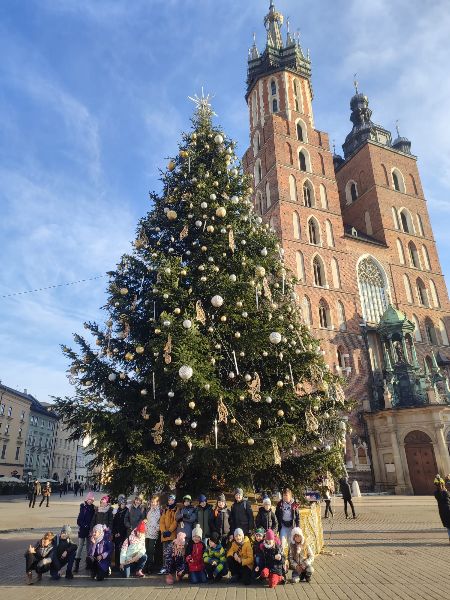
{"x": 204, "y": 375}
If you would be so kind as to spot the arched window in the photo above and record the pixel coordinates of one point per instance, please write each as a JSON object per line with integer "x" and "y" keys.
{"x": 340, "y": 353}
{"x": 434, "y": 294}
{"x": 274, "y": 105}
{"x": 421, "y": 292}
{"x": 296, "y": 225}
{"x": 443, "y": 332}
{"x": 308, "y": 194}
{"x": 300, "y": 126}
{"x": 431, "y": 332}
{"x": 313, "y": 231}
{"x": 406, "y": 221}
{"x": 413, "y": 255}
{"x": 268, "y": 200}
{"x": 336, "y": 276}
{"x": 273, "y": 87}
{"x": 322, "y": 164}
{"x": 258, "y": 203}
{"x": 408, "y": 290}
{"x": 329, "y": 233}
{"x": 323, "y": 196}
{"x": 293, "y": 188}
{"x": 342, "y": 321}
{"x": 300, "y": 266}
{"x": 426, "y": 258}
{"x": 319, "y": 272}
{"x": 351, "y": 191}
{"x": 256, "y": 143}
{"x": 258, "y": 171}
{"x": 420, "y": 225}
{"x": 368, "y": 223}
{"x": 395, "y": 218}
{"x": 289, "y": 153}
{"x": 398, "y": 182}
{"x": 303, "y": 161}
{"x": 401, "y": 254}
{"x": 385, "y": 173}
{"x": 306, "y": 310}
{"x": 413, "y": 181}
{"x": 296, "y": 96}
{"x": 324, "y": 315}
{"x": 417, "y": 333}
{"x": 372, "y": 289}
{"x": 255, "y": 107}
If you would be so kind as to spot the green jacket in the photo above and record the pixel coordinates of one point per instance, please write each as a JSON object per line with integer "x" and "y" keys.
{"x": 218, "y": 555}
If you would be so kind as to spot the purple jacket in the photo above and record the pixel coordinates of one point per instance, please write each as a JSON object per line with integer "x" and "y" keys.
{"x": 84, "y": 519}
{"x": 105, "y": 548}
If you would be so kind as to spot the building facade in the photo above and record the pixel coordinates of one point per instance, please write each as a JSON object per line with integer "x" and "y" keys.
{"x": 14, "y": 421}
{"x": 356, "y": 233}
{"x": 41, "y": 441}
{"x": 64, "y": 459}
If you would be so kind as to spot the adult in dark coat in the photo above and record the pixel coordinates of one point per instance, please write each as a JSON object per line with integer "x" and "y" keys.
{"x": 443, "y": 499}
{"x": 204, "y": 514}
{"x": 346, "y": 496}
{"x": 220, "y": 520}
{"x": 119, "y": 529}
{"x": 85, "y": 516}
{"x": 63, "y": 554}
{"x": 136, "y": 514}
{"x": 35, "y": 492}
{"x": 266, "y": 518}
{"x": 241, "y": 513}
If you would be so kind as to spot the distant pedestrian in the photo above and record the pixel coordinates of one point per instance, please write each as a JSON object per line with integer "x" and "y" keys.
{"x": 443, "y": 499}
{"x": 35, "y": 492}
{"x": 76, "y": 487}
{"x": 60, "y": 485}
{"x": 46, "y": 492}
{"x": 327, "y": 500}
{"x": 346, "y": 496}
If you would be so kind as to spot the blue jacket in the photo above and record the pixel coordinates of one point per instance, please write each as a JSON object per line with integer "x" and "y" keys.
{"x": 84, "y": 519}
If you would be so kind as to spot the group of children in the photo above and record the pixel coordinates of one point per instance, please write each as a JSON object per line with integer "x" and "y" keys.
{"x": 202, "y": 543}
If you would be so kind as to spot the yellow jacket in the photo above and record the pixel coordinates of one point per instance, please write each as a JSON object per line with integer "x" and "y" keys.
{"x": 245, "y": 552}
{"x": 168, "y": 523}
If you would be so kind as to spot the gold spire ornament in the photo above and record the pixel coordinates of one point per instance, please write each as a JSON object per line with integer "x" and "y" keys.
{"x": 200, "y": 314}
{"x": 184, "y": 232}
{"x": 144, "y": 414}
{"x": 168, "y": 350}
{"x": 276, "y": 453}
{"x": 157, "y": 431}
{"x": 312, "y": 424}
{"x": 222, "y": 411}
{"x": 231, "y": 242}
{"x": 254, "y": 388}
{"x": 266, "y": 288}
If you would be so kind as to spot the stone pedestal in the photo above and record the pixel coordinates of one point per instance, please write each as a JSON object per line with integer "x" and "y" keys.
{"x": 355, "y": 489}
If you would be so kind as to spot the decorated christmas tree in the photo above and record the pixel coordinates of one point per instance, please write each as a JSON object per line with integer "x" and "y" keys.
{"x": 204, "y": 374}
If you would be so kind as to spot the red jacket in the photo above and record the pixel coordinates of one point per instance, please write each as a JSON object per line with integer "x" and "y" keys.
{"x": 194, "y": 556}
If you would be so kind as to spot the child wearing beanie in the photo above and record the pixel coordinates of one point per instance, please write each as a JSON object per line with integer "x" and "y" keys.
{"x": 176, "y": 564}
{"x": 257, "y": 540}
{"x": 271, "y": 560}
{"x": 132, "y": 553}
{"x": 266, "y": 516}
{"x": 240, "y": 558}
{"x": 215, "y": 559}
{"x": 85, "y": 516}
{"x": 194, "y": 557}
{"x": 301, "y": 557}
{"x": 63, "y": 553}
{"x": 220, "y": 521}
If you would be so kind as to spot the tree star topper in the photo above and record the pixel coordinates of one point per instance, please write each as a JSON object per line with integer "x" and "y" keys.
{"x": 203, "y": 104}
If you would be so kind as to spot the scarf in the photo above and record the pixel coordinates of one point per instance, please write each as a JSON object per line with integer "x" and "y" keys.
{"x": 94, "y": 539}
{"x": 103, "y": 509}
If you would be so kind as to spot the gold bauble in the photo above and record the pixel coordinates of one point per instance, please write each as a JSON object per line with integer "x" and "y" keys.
{"x": 171, "y": 166}
{"x": 250, "y": 441}
{"x": 210, "y": 229}
{"x": 157, "y": 331}
{"x": 223, "y": 318}
{"x": 171, "y": 215}
{"x": 184, "y": 153}
{"x": 183, "y": 272}
{"x": 140, "y": 349}
{"x": 177, "y": 311}
{"x": 123, "y": 291}
{"x": 191, "y": 405}
{"x": 260, "y": 271}
{"x": 129, "y": 356}
{"x": 221, "y": 211}
{"x": 280, "y": 413}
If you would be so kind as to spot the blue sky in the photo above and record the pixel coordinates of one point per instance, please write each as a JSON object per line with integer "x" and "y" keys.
{"x": 93, "y": 97}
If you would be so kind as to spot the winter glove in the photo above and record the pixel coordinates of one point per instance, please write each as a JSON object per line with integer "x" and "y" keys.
{"x": 166, "y": 534}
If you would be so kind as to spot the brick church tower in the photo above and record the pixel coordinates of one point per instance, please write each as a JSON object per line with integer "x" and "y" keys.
{"x": 356, "y": 233}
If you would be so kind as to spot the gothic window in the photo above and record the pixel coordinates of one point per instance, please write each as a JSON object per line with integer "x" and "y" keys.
{"x": 335, "y": 273}
{"x": 273, "y": 87}
{"x": 319, "y": 272}
{"x": 351, "y": 192}
{"x": 329, "y": 233}
{"x": 306, "y": 310}
{"x": 268, "y": 200}
{"x": 323, "y": 196}
{"x": 324, "y": 315}
{"x": 443, "y": 332}
{"x": 395, "y": 181}
{"x": 258, "y": 204}
{"x": 434, "y": 294}
{"x": 368, "y": 223}
{"x": 373, "y": 289}
{"x": 308, "y": 194}
{"x": 322, "y": 164}
{"x": 401, "y": 254}
{"x": 431, "y": 332}
{"x": 300, "y": 266}
{"x": 398, "y": 181}
{"x": 413, "y": 255}
{"x": 342, "y": 322}
{"x": 256, "y": 143}
{"x": 426, "y": 258}
{"x": 289, "y": 153}
{"x": 417, "y": 333}
{"x": 255, "y": 108}
{"x": 258, "y": 171}
{"x": 421, "y": 292}
{"x": 300, "y": 136}
{"x": 274, "y": 105}
{"x": 296, "y": 225}
{"x": 420, "y": 224}
{"x": 273, "y": 223}
{"x": 395, "y": 218}
{"x": 297, "y": 93}
{"x": 406, "y": 221}
{"x": 408, "y": 290}
{"x": 293, "y": 188}
{"x": 302, "y": 160}
{"x": 313, "y": 231}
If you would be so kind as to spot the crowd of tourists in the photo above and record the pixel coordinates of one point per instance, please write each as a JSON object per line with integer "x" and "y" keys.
{"x": 201, "y": 543}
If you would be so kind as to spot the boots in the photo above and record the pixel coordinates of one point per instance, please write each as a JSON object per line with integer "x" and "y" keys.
{"x": 77, "y": 565}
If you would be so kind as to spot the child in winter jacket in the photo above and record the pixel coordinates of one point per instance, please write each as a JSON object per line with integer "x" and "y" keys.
{"x": 63, "y": 554}
{"x": 288, "y": 516}
{"x": 176, "y": 563}
{"x": 103, "y": 515}
{"x": 240, "y": 558}
{"x": 220, "y": 520}
{"x": 194, "y": 557}
{"x": 266, "y": 517}
{"x": 136, "y": 514}
{"x": 99, "y": 553}
{"x": 132, "y": 554}
{"x": 119, "y": 529}
{"x": 204, "y": 514}
{"x": 87, "y": 510}
{"x": 215, "y": 559}
{"x": 301, "y": 557}
{"x": 271, "y": 561}
{"x": 39, "y": 557}
{"x": 152, "y": 532}
{"x": 257, "y": 540}
{"x": 167, "y": 527}
{"x": 186, "y": 517}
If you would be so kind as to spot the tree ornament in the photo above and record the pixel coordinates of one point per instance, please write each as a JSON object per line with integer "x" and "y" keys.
{"x": 168, "y": 350}
{"x": 129, "y": 355}
{"x": 245, "y": 314}
{"x": 171, "y": 165}
{"x": 222, "y": 411}
{"x": 191, "y": 405}
{"x": 264, "y": 252}
{"x": 233, "y": 278}
{"x": 157, "y": 431}
{"x": 254, "y": 388}
{"x": 217, "y": 301}
{"x": 200, "y": 313}
{"x": 210, "y": 229}
{"x": 187, "y": 323}
{"x": 221, "y": 212}
{"x": 171, "y": 394}
{"x": 174, "y": 443}
{"x": 123, "y": 291}
{"x": 140, "y": 349}
{"x": 268, "y": 399}
{"x": 280, "y": 413}
{"x": 112, "y": 377}
{"x": 143, "y": 392}
{"x": 194, "y": 424}
{"x": 237, "y": 335}
{"x": 189, "y": 445}
{"x": 247, "y": 377}
{"x": 203, "y": 205}
{"x": 250, "y": 441}
{"x": 218, "y": 139}
{"x": 260, "y": 271}
{"x": 122, "y": 375}
{"x": 223, "y": 318}
{"x": 280, "y": 384}
{"x": 166, "y": 323}
{"x": 275, "y": 337}
{"x": 185, "y": 372}
{"x": 178, "y": 421}
{"x": 171, "y": 215}
{"x": 276, "y": 453}
{"x": 231, "y": 375}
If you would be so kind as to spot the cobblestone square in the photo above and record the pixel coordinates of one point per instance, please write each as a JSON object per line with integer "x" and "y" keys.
{"x": 396, "y": 548}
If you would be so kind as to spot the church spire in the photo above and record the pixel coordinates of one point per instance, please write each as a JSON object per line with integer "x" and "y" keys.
{"x": 273, "y": 22}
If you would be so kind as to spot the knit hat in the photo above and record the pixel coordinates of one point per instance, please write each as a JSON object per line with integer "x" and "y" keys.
{"x": 104, "y": 498}
{"x": 221, "y": 498}
{"x": 270, "y": 535}
{"x": 214, "y": 537}
{"x": 260, "y": 531}
{"x": 239, "y": 491}
{"x": 197, "y": 531}
{"x": 202, "y": 498}
{"x": 171, "y": 497}
{"x": 67, "y": 529}
{"x": 299, "y": 532}
{"x": 238, "y": 531}
{"x": 121, "y": 499}
{"x": 187, "y": 497}
{"x": 141, "y": 528}
{"x": 90, "y": 496}
{"x": 267, "y": 501}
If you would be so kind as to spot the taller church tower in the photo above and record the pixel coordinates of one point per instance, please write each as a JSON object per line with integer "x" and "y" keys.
{"x": 356, "y": 233}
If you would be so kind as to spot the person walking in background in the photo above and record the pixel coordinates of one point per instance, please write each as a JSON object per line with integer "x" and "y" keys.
{"x": 443, "y": 499}
{"x": 35, "y": 492}
{"x": 346, "y": 496}
{"x": 85, "y": 516}
{"x": 46, "y": 492}
{"x": 327, "y": 500}
{"x": 241, "y": 513}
